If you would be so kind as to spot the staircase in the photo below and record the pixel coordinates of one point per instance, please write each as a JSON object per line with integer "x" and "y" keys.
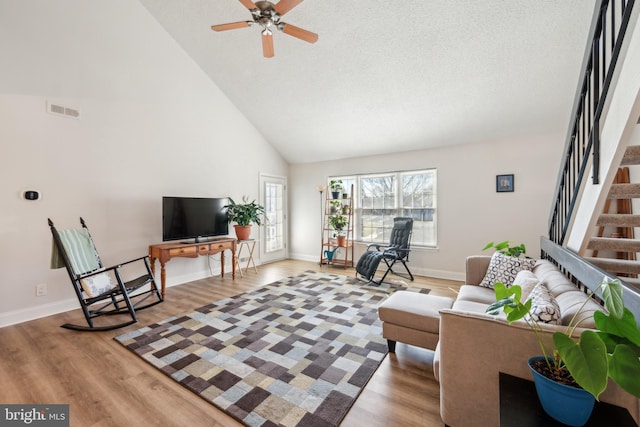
{"x": 615, "y": 246}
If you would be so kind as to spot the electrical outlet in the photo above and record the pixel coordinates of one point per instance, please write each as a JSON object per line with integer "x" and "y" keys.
{"x": 41, "y": 289}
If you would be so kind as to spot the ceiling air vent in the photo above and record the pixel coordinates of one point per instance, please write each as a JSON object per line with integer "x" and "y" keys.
{"x": 60, "y": 110}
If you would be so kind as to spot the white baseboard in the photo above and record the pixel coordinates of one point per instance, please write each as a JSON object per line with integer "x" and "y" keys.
{"x": 427, "y": 272}
{"x": 32, "y": 313}
{"x": 303, "y": 257}
{"x": 37, "y": 312}
{"x": 437, "y": 274}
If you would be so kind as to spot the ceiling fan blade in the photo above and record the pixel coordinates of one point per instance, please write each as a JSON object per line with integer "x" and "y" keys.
{"x": 267, "y": 45}
{"x": 300, "y": 33}
{"x": 230, "y": 26}
{"x": 285, "y": 6}
{"x": 248, "y": 4}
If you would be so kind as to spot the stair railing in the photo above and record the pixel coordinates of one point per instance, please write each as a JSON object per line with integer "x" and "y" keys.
{"x": 607, "y": 35}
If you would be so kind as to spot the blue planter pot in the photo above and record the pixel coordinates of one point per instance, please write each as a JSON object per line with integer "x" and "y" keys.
{"x": 569, "y": 405}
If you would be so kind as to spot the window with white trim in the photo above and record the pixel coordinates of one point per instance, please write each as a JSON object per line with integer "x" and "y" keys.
{"x": 379, "y": 198}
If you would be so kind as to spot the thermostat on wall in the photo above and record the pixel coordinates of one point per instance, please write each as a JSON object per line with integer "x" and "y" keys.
{"x": 31, "y": 195}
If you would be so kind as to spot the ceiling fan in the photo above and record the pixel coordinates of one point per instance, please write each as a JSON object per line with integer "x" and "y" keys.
{"x": 267, "y": 15}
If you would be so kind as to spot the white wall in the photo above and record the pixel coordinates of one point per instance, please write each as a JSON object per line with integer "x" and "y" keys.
{"x": 470, "y": 212}
{"x": 152, "y": 124}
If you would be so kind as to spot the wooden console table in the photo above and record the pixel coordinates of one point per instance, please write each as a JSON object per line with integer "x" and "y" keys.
{"x": 163, "y": 252}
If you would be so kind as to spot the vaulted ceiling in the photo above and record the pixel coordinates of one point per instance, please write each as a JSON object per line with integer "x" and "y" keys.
{"x": 389, "y": 76}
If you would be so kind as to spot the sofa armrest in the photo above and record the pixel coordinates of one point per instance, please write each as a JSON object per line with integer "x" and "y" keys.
{"x": 476, "y": 268}
{"x": 474, "y": 349}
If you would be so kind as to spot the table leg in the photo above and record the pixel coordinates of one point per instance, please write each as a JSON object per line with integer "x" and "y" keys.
{"x": 221, "y": 263}
{"x": 238, "y": 257}
{"x": 152, "y": 264}
{"x": 163, "y": 278}
{"x": 250, "y": 260}
{"x": 233, "y": 259}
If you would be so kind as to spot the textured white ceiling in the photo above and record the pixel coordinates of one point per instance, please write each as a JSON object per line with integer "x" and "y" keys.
{"x": 395, "y": 75}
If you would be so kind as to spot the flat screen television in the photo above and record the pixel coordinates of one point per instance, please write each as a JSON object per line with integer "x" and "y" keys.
{"x": 198, "y": 218}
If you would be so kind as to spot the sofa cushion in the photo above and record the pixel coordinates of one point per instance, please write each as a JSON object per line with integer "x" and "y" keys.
{"x": 414, "y": 310}
{"x": 556, "y": 282}
{"x": 471, "y": 306}
{"x": 476, "y": 294}
{"x": 544, "y": 307}
{"x": 504, "y": 268}
{"x": 571, "y": 302}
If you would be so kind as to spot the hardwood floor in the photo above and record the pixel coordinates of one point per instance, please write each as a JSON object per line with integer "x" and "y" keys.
{"x": 105, "y": 385}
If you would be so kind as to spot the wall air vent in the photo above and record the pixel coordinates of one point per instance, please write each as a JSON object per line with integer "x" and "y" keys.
{"x": 60, "y": 110}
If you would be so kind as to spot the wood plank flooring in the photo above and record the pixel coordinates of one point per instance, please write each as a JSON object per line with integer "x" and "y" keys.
{"x": 106, "y": 385}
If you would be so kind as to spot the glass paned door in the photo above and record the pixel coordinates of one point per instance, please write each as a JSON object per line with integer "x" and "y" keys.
{"x": 273, "y": 197}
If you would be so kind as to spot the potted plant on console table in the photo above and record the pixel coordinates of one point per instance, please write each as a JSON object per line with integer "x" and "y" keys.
{"x": 612, "y": 350}
{"x": 244, "y": 215}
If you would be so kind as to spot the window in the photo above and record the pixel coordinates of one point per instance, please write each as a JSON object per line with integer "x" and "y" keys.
{"x": 378, "y": 198}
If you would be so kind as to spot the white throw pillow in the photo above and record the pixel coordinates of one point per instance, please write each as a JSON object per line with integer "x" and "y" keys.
{"x": 97, "y": 285}
{"x": 527, "y": 280}
{"x": 544, "y": 307}
{"x": 504, "y": 268}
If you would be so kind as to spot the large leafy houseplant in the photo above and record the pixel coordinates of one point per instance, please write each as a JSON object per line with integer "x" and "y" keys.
{"x": 244, "y": 214}
{"x": 612, "y": 350}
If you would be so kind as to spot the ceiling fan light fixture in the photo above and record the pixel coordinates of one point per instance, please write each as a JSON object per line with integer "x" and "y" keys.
{"x": 267, "y": 15}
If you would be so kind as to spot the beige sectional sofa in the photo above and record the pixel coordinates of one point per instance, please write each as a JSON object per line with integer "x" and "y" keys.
{"x": 474, "y": 347}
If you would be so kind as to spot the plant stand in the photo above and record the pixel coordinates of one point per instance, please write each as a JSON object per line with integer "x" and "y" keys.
{"x": 344, "y": 255}
{"x": 250, "y": 245}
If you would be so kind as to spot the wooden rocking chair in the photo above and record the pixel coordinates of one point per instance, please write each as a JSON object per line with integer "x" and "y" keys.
{"x": 100, "y": 291}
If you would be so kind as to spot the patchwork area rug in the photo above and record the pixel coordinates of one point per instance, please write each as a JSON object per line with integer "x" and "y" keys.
{"x": 296, "y": 352}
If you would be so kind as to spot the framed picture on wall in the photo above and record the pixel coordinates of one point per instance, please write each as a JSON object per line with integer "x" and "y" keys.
{"x": 504, "y": 183}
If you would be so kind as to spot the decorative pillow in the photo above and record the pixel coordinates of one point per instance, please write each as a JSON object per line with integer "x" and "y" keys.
{"x": 504, "y": 268}
{"x": 544, "y": 308}
{"x": 97, "y": 285}
{"x": 527, "y": 280}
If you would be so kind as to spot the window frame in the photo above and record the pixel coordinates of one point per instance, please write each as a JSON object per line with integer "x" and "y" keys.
{"x": 398, "y": 209}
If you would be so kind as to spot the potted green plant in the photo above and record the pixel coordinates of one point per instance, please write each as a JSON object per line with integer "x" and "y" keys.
{"x": 506, "y": 248}
{"x": 338, "y": 222}
{"x": 334, "y": 206}
{"x": 336, "y": 188}
{"x": 244, "y": 215}
{"x": 612, "y": 350}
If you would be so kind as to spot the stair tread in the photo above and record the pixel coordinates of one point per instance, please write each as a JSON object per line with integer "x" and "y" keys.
{"x": 618, "y": 244}
{"x": 625, "y": 220}
{"x": 631, "y": 156}
{"x": 624, "y": 191}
